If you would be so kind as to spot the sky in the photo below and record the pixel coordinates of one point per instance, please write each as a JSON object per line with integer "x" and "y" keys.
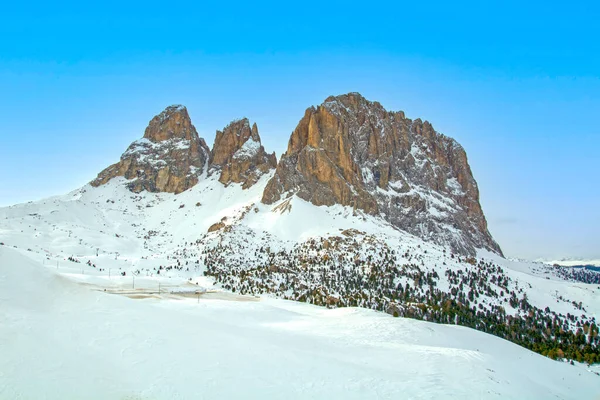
{"x": 518, "y": 85}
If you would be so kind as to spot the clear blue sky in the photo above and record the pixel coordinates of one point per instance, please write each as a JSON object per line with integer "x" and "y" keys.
{"x": 516, "y": 83}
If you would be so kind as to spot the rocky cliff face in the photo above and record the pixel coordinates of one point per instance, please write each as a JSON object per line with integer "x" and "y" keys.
{"x": 347, "y": 151}
{"x": 353, "y": 152}
{"x": 239, "y": 155}
{"x": 169, "y": 158}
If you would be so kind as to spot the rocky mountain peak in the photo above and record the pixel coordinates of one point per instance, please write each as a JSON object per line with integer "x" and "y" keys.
{"x": 353, "y": 152}
{"x": 169, "y": 158}
{"x": 239, "y": 155}
{"x": 255, "y": 134}
{"x": 173, "y": 122}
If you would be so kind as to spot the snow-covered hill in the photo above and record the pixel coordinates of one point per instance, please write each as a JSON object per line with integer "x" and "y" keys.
{"x": 115, "y": 228}
{"x": 59, "y": 339}
{"x": 333, "y": 256}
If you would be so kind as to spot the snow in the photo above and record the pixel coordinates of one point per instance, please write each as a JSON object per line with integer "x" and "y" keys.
{"x": 60, "y": 330}
{"x": 249, "y": 149}
{"x": 454, "y": 186}
{"x": 147, "y": 151}
{"x": 154, "y": 229}
{"x": 75, "y": 341}
{"x": 548, "y": 287}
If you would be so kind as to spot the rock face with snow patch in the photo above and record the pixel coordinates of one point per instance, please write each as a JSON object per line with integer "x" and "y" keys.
{"x": 169, "y": 158}
{"x": 351, "y": 151}
{"x": 239, "y": 155}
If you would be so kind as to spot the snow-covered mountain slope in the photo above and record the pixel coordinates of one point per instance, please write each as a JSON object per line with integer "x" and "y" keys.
{"x": 224, "y": 237}
{"x": 59, "y": 339}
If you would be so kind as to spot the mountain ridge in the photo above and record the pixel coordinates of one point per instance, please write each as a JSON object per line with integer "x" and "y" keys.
{"x": 348, "y": 151}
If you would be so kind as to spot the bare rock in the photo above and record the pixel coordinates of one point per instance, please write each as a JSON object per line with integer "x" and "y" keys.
{"x": 169, "y": 158}
{"x": 239, "y": 156}
{"x": 215, "y": 227}
{"x": 353, "y": 152}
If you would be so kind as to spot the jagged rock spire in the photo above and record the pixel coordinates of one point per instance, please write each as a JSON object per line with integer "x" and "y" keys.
{"x": 239, "y": 155}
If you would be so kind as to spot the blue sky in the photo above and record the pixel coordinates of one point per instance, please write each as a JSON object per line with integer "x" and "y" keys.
{"x": 517, "y": 85}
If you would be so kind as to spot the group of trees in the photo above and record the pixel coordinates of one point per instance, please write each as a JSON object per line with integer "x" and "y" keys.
{"x": 360, "y": 271}
{"x": 578, "y": 274}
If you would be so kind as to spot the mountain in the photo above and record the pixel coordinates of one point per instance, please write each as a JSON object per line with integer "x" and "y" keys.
{"x": 347, "y": 151}
{"x": 351, "y": 151}
{"x": 239, "y": 155}
{"x": 322, "y": 226}
{"x": 169, "y": 158}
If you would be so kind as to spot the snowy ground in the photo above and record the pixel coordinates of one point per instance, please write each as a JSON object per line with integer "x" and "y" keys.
{"x": 63, "y": 336}
{"x": 59, "y": 339}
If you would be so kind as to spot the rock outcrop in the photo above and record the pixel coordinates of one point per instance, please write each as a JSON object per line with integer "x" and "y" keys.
{"x": 239, "y": 156}
{"x": 353, "y": 152}
{"x": 169, "y": 158}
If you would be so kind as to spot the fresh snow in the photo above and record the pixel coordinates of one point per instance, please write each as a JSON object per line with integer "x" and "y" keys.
{"x": 62, "y": 336}
{"x": 249, "y": 149}
{"x": 454, "y": 186}
{"x": 60, "y": 339}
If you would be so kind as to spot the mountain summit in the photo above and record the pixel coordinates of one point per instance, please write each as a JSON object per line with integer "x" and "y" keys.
{"x": 169, "y": 158}
{"x": 173, "y": 123}
{"x": 239, "y": 154}
{"x": 347, "y": 151}
{"x": 353, "y": 152}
